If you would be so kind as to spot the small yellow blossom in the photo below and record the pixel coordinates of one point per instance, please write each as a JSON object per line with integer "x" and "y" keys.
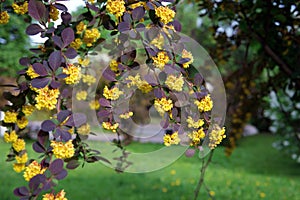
{"x": 114, "y": 65}
{"x": 161, "y": 59}
{"x": 46, "y": 98}
{"x": 18, "y": 167}
{"x": 84, "y": 62}
{"x": 22, "y": 158}
{"x": 165, "y": 14}
{"x": 144, "y": 86}
{"x": 84, "y": 129}
{"x": 116, "y": 7}
{"x": 173, "y": 172}
{"x": 88, "y": 79}
{"x": 126, "y": 115}
{"x": 171, "y": 139}
{"x": 94, "y": 105}
{"x": 175, "y": 83}
{"x": 19, "y": 145}
{"x": 32, "y": 170}
{"x": 205, "y": 104}
{"x": 74, "y": 74}
{"x": 10, "y": 137}
{"x": 163, "y": 105}
{"x": 20, "y": 9}
{"x": 112, "y": 94}
{"x": 212, "y": 193}
{"x": 92, "y": 1}
{"x": 194, "y": 124}
{"x": 76, "y": 44}
{"x": 134, "y": 80}
{"x": 216, "y": 136}
{"x": 80, "y": 27}
{"x": 22, "y": 123}
{"x": 4, "y": 17}
{"x": 58, "y": 196}
{"x": 158, "y": 41}
{"x": 196, "y": 136}
{"x": 53, "y": 14}
{"x": 187, "y": 54}
{"x": 31, "y": 73}
{"x": 81, "y": 95}
{"x": 10, "y": 117}
{"x": 109, "y": 126}
{"x": 91, "y": 36}
{"x": 61, "y": 150}
{"x": 138, "y": 4}
{"x": 27, "y": 109}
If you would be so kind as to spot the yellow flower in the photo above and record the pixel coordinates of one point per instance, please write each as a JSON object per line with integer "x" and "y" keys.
{"x": 216, "y": 136}
{"x": 46, "y": 98}
{"x": 18, "y": 167}
{"x": 194, "y": 124}
{"x": 138, "y": 4}
{"x": 116, "y": 7}
{"x": 112, "y": 94}
{"x": 196, "y": 136}
{"x": 10, "y": 137}
{"x": 20, "y": 9}
{"x": 92, "y": 1}
{"x": 74, "y": 74}
{"x": 134, "y": 80}
{"x": 31, "y": 73}
{"x": 88, "y": 79}
{"x": 22, "y": 123}
{"x": 84, "y": 129}
{"x": 58, "y": 196}
{"x": 161, "y": 59}
{"x": 94, "y": 105}
{"x": 76, "y": 44}
{"x": 80, "y": 27}
{"x": 81, "y": 95}
{"x": 48, "y": 196}
{"x": 61, "y": 150}
{"x": 22, "y": 159}
{"x": 165, "y": 14}
{"x": 126, "y": 115}
{"x": 53, "y": 13}
{"x": 187, "y": 54}
{"x": 144, "y": 86}
{"x": 163, "y": 105}
{"x": 158, "y": 41}
{"x": 27, "y": 109}
{"x": 84, "y": 62}
{"x": 171, "y": 139}
{"x": 19, "y": 145}
{"x": 205, "y": 104}
{"x": 91, "y": 36}
{"x": 212, "y": 193}
{"x": 109, "y": 126}
{"x": 10, "y": 117}
{"x": 32, "y": 170}
{"x": 175, "y": 83}
{"x": 114, "y": 65}
{"x": 4, "y": 17}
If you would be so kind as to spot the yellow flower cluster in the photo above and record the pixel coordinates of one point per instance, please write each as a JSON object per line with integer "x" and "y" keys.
{"x": 143, "y": 85}
{"x": 19, "y": 166}
{"x": 88, "y": 79}
{"x": 114, "y": 65}
{"x": 19, "y": 145}
{"x": 138, "y": 4}
{"x": 32, "y": 170}
{"x": 163, "y": 105}
{"x": 53, "y": 14}
{"x": 158, "y": 41}
{"x": 116, "y": 7}
{"x": 91, "y": 36}
{"x": 10, "y": 117}
{"x": 10, "y": 137}
{"x": 175, "y": 83}
{"x": 4, "y": 17}
{"x": 74, "y": 74}
{"x": 20, "y": 9}
{"x": 61, "y": 150}
{"x": 171, "y": 139}
{"x": 194, "y": 124}
{"x": 112, "y": 94}
{"x": 31, "y": 73}
{"x": 110, "y": 127}
{"x": 81, "y": 95}
{"x": 196, "y": 136}
{"x": 126, "y": 115}
{"x": 27, "y": 109}
{"x": 216, "y": 136}
{"x": 84, "y": 129}
{"x": 22, "y": 158}
{"x": 76, "y": 44}
{"x": 187, "y": 54}
{"x": 80, "y": 27}
{"x": 161, "y": 59}
{"x": 165, "y": 14}
{"x": 46, "y": 98}
{"x": 94, "y": 105}
{"x": 84, "y": 62}
{"x": 58, "y": 196}
{"x": 22, "y": 123}
{"x": 206, "y": 104}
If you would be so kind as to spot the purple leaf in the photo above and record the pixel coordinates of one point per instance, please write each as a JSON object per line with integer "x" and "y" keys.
{"x": 64, "y": 135}
{"x": 37, "y": 10}
{"x": 57, "y": 41}
{"x": 138, "y": 13}
{"x": 124, "y": 26}
{"x": 55, "y": 60}
{"x": 184, "y": 60}
{"x": 150, "y": 79}
{"x": 56, "y": 166}
{"x": 61, "y": 7}
{"x": 55, "y": 84}
{"x": 40, "y": 69}
{"x": 21, "y": 191}
{"x": 152, "y": 33}
{"x": 33, "y": 29}
{"x": 38, "y": 147}
{"x": 198, "y": 79}
{"x": 43, "y": 137}
{"x": 103, "y": 113}
{"x": 40, "y": 82}
{"x": 62, "y": 115}
{"x": 61, "y": 175}
{"x": 190, "y": 152}
{"x": 177, "y": 25}
{"x": 67, "y": 36}
{"x": 72, "y": 164}
{"x": 104, "y": 102}
{"x": 24, "y": 61}
{"x": 76, "y": 119}
{"x": 35, "y": 182}
{"x": 158, "y": 93}
{"x": 48, "y": 125}
{"x": 66, "y": 18}
{"x": 70, "y": 53}
{"x": 164, "y": 123}
{"x": 109, "y": 75}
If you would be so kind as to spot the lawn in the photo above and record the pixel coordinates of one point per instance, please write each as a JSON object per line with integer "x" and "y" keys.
{"x": 254, "y": 171}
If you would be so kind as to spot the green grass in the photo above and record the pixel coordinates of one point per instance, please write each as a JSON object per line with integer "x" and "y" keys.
{"x": 254, "y": 171}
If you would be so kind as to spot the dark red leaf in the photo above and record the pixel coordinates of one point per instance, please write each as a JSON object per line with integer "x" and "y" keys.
{"x": 24, "y": 61}
{"x": 177, "y": 25}
{"x": 124, "y": 26}
{"x": 72, "y": 164}
{"x": 150, "y": 79}
{"x": 48, "y": 125}
{"x": 70, "y": 53}
{"x": 183, "y": 60}
{"x": 38, "y": 147}
{"x": 33, "y": 29}
{"x": 62, "y": 134}
{"x": 39, "y": 69}
{"x": 21, "y": 191}
{"x": 76, "y": 119}
{"x": 61, "y": 7}
{"x": 61, "y": 175}
{"x": 40, "y": 82}
{"x": 56, "y": 166}
{"x": 138, "y": 13}
{"x": 67, "y": 36}
{"x": 103, "y": 113}
{"x": 43, "y": 137}
{"x": 66, "y": 18}
{"x": 158, "y": 93}
{"x": 57, "y": 41}
{"x": 152, "y": 33}
{"x": 36, "y": 181}
{"x": 55, "y": 59}
{"x": 55, "y": 84}
{"x": 104, "y": 102}
{"x": 198, "y": 79}
{"x": 109, "y": 75}
{"x": 37, "y": 10}
{"x": 62, "y": 115}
